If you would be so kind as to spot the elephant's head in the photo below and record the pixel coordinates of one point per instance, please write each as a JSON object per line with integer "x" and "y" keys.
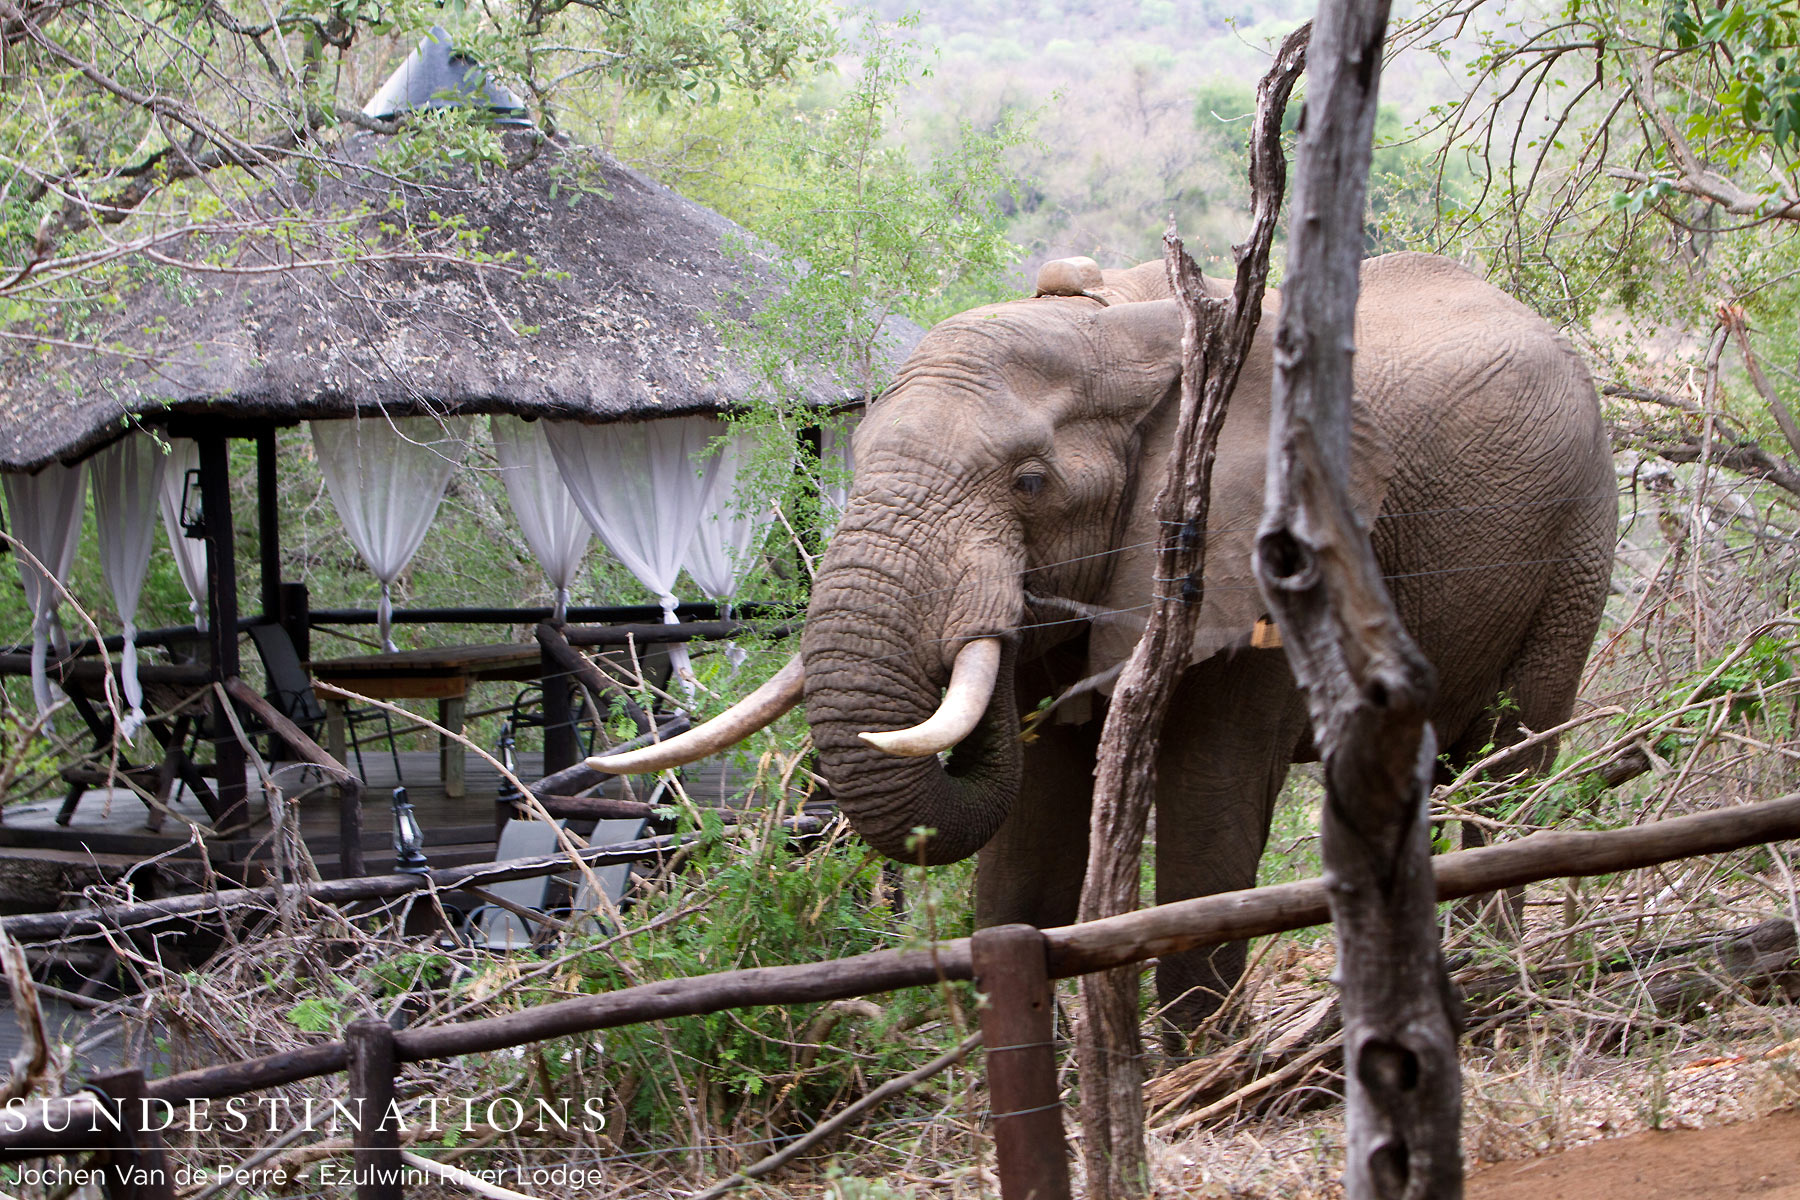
{"x": 1004, "y": 483}
{"x": 1000, "y": 463}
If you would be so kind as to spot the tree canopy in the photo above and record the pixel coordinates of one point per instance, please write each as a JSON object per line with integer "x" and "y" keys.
{"x": 130, "y": 124}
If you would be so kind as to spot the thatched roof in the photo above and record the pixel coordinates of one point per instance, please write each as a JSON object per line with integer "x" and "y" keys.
{"x": 613, "y": 322}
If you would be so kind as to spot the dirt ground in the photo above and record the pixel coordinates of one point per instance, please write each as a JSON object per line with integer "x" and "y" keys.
{"x": 1759, "y": 1158}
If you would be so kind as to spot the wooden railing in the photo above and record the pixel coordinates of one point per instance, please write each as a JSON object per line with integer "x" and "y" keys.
{"x": 1013, "y": 965}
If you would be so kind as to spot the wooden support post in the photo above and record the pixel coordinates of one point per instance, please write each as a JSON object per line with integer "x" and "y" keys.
{"x": 371, "y": 1095}
{"x": 222, "y": 603}
{"x": 557, "y": 650}
{"x": 296, "y": 617}
{"x": 138, "y": 1162}
{"x": 268, "y": 521}
{"x": 560, "y": 745}
{"x": 452, "y": 758}
{"x": 1018, "y": 1026}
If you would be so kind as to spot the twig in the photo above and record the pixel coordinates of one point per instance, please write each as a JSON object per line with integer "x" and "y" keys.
{"x": 31, "y": 1067}
{"x": 825, "y": 1129}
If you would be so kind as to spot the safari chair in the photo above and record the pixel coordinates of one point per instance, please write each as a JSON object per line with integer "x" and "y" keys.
{"x": 587, "y": 712}
{"x": 497, "y": 928}
{"x": 614, "y": 879}
{"x": 290, "y": 690}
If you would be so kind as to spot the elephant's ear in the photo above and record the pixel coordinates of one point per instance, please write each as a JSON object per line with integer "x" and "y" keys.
{"x": 1140, "y": 357}
{"x": 1232, "y": 603}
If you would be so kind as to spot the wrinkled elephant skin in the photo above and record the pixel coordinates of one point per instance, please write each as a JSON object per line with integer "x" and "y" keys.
{"x": 1004, "y": 486}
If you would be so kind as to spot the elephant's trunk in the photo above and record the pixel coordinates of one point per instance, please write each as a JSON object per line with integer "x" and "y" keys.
{"x": 861, "y": 675}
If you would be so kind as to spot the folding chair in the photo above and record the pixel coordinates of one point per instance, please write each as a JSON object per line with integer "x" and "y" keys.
{"x": 290, "y": 690}
{"x": 498, "y": 928}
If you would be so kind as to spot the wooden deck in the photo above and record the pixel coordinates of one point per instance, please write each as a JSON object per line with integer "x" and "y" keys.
{"x": 109, "y": 830}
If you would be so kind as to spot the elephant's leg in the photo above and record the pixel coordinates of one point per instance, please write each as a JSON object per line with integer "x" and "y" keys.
{"x": 1537, "y": 692}
{"x": 1031, "y": 870}
{"x": 1225, "y": 752}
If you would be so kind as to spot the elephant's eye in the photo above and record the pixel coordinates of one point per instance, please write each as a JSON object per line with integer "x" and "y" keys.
{"x": 1030, "y": 483}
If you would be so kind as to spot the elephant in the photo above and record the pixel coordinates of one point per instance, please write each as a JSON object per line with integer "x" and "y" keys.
{"x": 999, "y": 540}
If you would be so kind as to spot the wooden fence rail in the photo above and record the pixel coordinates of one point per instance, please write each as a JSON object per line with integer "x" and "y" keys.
{"x": 50, "y": 1126}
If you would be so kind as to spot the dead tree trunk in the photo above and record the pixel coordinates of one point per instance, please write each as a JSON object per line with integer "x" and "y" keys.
{"x": 1368, "y": 687}
{"x": 1216, "y": 336}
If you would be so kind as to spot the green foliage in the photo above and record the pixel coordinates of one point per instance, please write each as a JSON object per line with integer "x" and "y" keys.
{"x": 403, "y": 973}
{"x": 767, "y": 904}
{"x": 1760, "y": 96}
{"x": 869, "y": 232}
{"x": 319, "y": 1014}
{"x": 1769, "y": 661}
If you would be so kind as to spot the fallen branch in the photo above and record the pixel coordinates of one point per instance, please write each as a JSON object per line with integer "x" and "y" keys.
{"x": 45, "y": 927}
{"x": 462, "y": 1178}
{"x": 1295, "y": 1069}
{"x": 1762, "y": 961}
{"x": 1756, "y": 961}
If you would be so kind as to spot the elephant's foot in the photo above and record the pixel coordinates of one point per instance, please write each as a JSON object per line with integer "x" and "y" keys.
{"x": 1192, "y": 988}
{"x": 1500, "y": 915}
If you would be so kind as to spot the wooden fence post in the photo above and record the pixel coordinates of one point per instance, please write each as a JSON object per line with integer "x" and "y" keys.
{"x": 371, "y": 1079}
{"x": 1018, "y": 1030}
{"x": 350, "y": 828}
{"x": 137, "y": 1161}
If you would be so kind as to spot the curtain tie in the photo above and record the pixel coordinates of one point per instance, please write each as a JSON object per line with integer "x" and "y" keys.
{"x": 384, "y": 617}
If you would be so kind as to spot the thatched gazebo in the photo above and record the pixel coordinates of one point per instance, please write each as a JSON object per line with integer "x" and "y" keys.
{"x": 561, "y": 291}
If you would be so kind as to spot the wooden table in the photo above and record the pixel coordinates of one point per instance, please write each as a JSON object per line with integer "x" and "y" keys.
{"x": 441, "y": 673}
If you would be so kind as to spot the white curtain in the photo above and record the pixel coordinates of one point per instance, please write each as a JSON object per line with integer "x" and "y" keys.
{"x": 721, "y": 554}
{"x": 642, "y": 487}
{"x": 386, "y": 477}
{"x": 189, "y": 553}
{"x": 46, "y": 520}
{"x": 127, "y": 481}
{"x": 548, "y": 516}
{"x": 836, "y": 463}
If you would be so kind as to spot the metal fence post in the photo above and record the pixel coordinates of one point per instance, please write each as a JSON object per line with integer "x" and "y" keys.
{"x": 1017, "y": 1028}
{"x": 137, "y": 1162}
{"x": 371, "y": 1080}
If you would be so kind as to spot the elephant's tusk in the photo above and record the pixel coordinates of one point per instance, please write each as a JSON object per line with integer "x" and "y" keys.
{"x": 759, "y": 708}
{"x": 971, "y": 687}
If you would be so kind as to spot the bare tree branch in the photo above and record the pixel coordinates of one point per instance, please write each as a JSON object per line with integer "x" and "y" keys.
{"x": 1733, "y": 317}
{"x": 1216, "y": 338}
